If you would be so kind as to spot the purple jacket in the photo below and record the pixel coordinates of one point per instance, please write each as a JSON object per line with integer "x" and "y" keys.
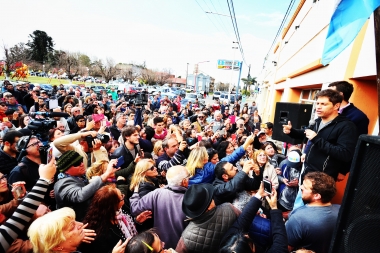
{"x": 166, "y": 206}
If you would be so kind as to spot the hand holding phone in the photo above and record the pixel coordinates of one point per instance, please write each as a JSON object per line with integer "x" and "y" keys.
{"x": 120, "y": 162}
{"x": 267, "y": 186}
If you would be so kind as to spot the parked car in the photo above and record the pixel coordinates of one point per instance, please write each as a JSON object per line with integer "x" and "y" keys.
{"x": 180, "y": 92}
{"x": 216, "y": 95}
{"x": 47, "y": 87}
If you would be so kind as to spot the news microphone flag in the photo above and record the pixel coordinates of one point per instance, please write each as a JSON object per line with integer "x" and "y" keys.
{"x": 346, "y": 22}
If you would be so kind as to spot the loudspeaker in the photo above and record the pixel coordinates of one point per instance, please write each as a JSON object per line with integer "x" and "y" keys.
{"x": 298, "y": 114}
{"x": 358, "y": 221}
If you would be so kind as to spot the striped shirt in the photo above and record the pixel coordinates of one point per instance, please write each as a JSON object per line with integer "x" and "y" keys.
{"x": 10, "y": 230}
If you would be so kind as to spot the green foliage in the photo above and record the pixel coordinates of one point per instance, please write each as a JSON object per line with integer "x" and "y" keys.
{"x": 40, "y": 46}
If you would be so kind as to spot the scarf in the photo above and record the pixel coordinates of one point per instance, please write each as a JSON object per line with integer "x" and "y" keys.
{"x": 125, "y": 224}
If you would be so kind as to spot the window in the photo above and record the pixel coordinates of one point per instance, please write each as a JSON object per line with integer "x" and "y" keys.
{"x": 308, "y": 97}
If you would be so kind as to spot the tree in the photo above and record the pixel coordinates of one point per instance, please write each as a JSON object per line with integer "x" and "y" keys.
{"x": 17, "y": 53}
{"x": 248, "y": 82}
{"x": 108, "y": 69}
{"x": 84, "y": 60}
{"x": 162, "y": 77}
{"x": 40, "y": 46}
{"x": 148, "y": 76}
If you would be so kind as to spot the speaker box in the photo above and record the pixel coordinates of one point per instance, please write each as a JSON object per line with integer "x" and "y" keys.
{"x": 357, "y": 228}
{"x": 298, "y": 114}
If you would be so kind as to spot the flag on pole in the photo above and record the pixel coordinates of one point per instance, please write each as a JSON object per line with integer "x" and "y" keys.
{"x": 346, "y": 22}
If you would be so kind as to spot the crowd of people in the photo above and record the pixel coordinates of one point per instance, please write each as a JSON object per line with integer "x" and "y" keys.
{"x": 113, "y": 176}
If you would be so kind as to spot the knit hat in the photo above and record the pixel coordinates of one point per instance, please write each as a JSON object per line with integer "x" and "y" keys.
{"x": 294, "y": 158}
{"x": 68, "y": 159}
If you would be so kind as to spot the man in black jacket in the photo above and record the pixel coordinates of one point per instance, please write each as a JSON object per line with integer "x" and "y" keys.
{"x": 229, "y": 181}
{"x": 332, "y": 136}
{"x": 131, "y": 148}
{"x": 8, "y": 153}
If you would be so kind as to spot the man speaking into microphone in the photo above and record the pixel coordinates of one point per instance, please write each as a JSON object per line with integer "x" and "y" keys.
{"x": 331, "y": 137}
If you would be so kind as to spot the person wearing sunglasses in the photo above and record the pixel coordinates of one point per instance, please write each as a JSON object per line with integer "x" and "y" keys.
{"x": 72, "y": 188}
{"x": 200, "y": 123}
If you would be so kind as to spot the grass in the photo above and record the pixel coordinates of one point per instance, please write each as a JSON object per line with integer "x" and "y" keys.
{"x": 53, "y": 81}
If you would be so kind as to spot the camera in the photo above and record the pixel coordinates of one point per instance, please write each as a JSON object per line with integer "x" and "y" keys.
{"x": 102, "y": 137}
{"x": 137, "y": 99}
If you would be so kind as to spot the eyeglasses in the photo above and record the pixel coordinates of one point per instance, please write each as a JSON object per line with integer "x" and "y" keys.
{"x": 34, "y": 144}
{"x": 201, "y": 117}
{"x": 152, "y": 168}
{"x": 78, "y": 163}
{"x": 77, "y": 111}
{"x": 3, "y": 178}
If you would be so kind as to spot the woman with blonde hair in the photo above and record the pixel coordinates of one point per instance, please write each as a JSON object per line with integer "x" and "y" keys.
{"x": 67, "y": 108}
{"x": 197, "y": 159}
{"x": 266, "y": 169}
{"x": 202, "y": 171}
{"x": 144, "y": 177}
{"x": 58, "y": 231}
{"x": 157, "y": 150}
{"x": 97, "y": 168}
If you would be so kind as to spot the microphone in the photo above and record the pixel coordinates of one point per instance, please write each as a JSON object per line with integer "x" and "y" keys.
{"x": 311, "y": 123}
{"x": 49, "y": 114}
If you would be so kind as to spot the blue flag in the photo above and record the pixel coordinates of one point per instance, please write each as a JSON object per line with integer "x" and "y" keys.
{"x": 346, "y": 22}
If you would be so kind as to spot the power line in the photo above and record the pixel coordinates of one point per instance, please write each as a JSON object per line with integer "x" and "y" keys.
{"x": 280, "y": 28}
{"x": 236, "y": 29}
{"x": 221, "y": 21}
{"x": 209, "y": 17}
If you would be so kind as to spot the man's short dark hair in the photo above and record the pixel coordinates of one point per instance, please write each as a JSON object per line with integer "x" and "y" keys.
{"x": 128, "y": 131}
{"x": 269, "y": 125}
{"x": 78, "y": 117}
{"x": 158, "y": 120}
{"x": 333, "y": 95}
{"x": 10, "y": 136}
{"x": 9, "y": 112}
{"x": 131, "y": 111}
{"x": 220, "y": 170}
{"x": 323, "y": 184}
{"x": 345, "y": 87}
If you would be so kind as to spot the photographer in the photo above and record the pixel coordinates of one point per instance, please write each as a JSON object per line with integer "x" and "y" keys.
{"x": 91, "y": 152}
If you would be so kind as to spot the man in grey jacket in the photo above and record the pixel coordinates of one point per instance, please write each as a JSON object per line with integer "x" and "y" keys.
{"x": 165, "y": 204}
{"x": 72, "y": 188}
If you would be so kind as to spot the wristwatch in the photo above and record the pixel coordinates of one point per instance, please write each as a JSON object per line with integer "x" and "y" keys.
{"x": 47, "y": 180}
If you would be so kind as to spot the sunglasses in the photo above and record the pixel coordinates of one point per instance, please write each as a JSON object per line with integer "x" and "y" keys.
{"x": 152, "y": 168}
{"x": 78, "y": 163}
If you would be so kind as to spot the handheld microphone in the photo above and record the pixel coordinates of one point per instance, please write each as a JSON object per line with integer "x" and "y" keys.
{"x": 49, "y": 114}
{"x": 311, "y": 123}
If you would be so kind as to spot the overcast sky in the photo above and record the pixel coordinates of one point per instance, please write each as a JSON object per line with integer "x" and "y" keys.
{"x": 166, "y": 34}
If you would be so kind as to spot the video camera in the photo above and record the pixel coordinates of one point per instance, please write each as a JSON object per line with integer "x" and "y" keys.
{"x": 104, "y": 138}
{"x": 138, "y": 99}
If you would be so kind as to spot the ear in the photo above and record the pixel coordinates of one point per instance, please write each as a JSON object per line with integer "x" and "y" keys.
{"x": 225, "y": 177}
{"x": 317, "y": 196}
{"x": 337, "y": 106}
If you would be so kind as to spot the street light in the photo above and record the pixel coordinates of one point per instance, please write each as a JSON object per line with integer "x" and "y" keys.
{"x": 220, "y": 14}
{"x": 196, "y": 73}
{"x": 187, "y": 71}
{"x": 233, "y": 63}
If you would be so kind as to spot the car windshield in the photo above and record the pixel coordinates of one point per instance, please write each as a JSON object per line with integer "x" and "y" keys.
{"x": 192, "y": 95}
{"x": 217, "y": 93}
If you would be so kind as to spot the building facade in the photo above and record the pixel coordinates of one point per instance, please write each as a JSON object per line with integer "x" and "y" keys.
{"x": 293, "y": 71}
